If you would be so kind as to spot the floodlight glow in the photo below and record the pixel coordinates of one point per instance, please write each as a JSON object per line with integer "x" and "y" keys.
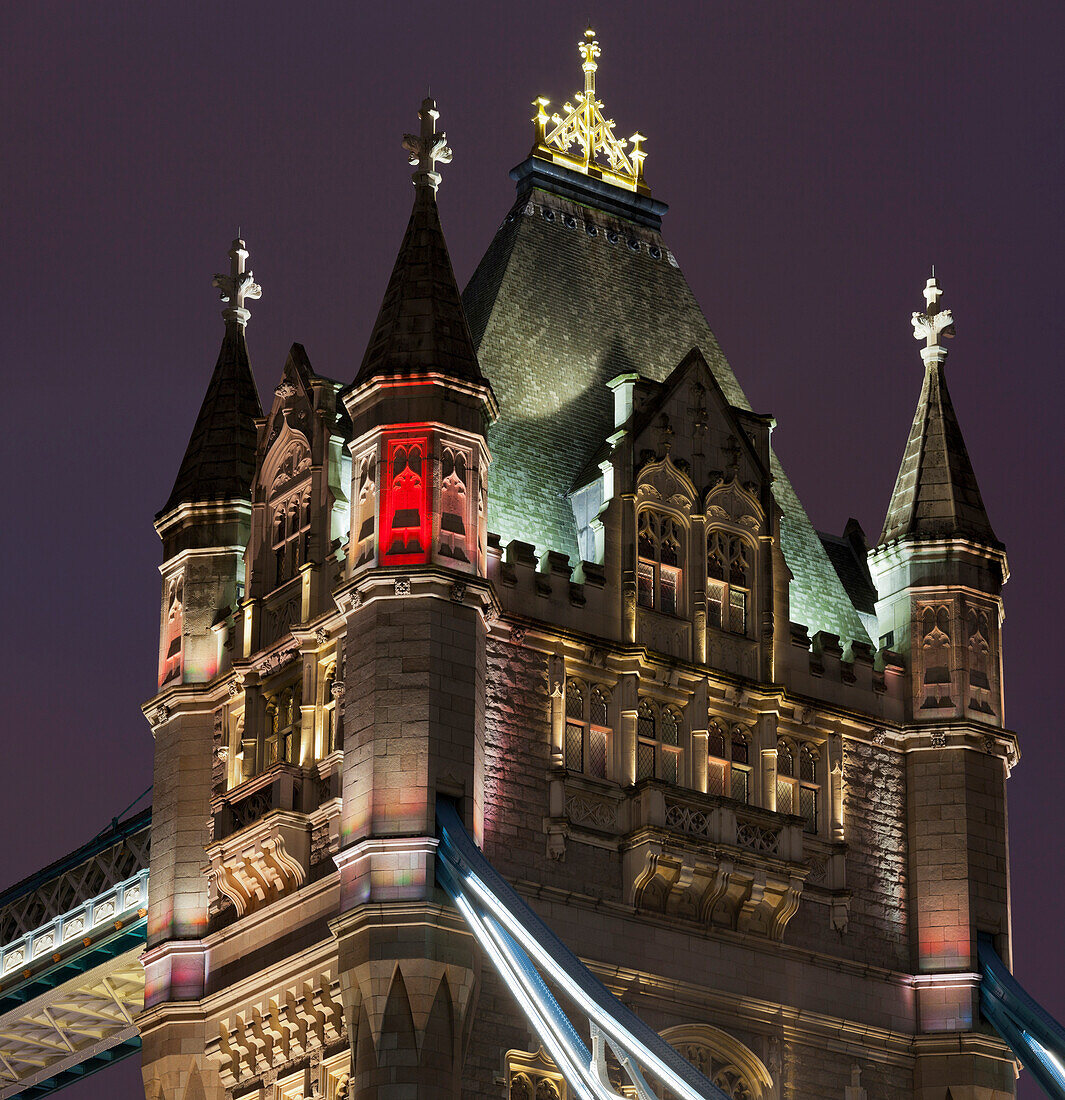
{"x": 507, "y": 933}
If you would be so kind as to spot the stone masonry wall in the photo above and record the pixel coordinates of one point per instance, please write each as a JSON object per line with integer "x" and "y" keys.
{"x": 874, "y": 814}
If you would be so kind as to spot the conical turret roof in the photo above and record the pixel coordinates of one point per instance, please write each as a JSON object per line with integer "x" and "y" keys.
{"x": 936, "y": 495}
{"x": 219, "y": 461}
{"x": 421, "y": 326}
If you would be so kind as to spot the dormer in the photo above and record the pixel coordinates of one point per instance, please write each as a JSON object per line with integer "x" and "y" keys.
{"x": 697, "y": 521}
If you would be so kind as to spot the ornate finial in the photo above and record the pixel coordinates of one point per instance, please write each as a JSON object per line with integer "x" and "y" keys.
{"x": 928, "y": 326}
{"x": 238, "y": 286}
{"x": 582, "y": 138}
{"x": 428, "y": 147}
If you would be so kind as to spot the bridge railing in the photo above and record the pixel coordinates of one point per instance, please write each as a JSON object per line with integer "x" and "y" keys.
{"x": 48, "y": 942}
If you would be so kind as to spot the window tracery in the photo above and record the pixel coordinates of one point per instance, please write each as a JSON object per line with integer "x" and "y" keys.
{"x": 728, "y": 584}
{"x": 978, "y": 623}
{"x": 936, "y": 656}
{"x": 406, "y": 525}
{"x": 798, "y": 782}
{"x": 282, "y": 726}
{"x": 660, "y": 551}
{"x": 533, "y": 1076}
{"x": 728, "y": 770}
{"x": 365, "y": 526}
{"x": 173, "y": 629}
{"x": 587, "y": 740}
{"x": 730, "y": 1065}
{"x": 455, "y": 463}
{"x": 291, "y": 535}
{"x": 657, "y": 742}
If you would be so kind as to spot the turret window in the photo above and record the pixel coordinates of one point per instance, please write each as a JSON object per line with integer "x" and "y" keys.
{"x": 727, "y": 582}
{"x": 587, "y": 738}
{"x": 798, "y": 790}
{"x": 454, "y": 508}
{"x": 406, "y": 523}
{"x": 657, "y": 743}
{"x": 659, "y": 566}
{"x": 728, "y": 772}
{"x": 364, "y": 527}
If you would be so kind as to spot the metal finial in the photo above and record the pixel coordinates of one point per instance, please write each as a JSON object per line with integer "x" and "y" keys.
{"x": 238, "y": 286}
{"x": 934, "y": 322}
{"x": 427, "y": 147}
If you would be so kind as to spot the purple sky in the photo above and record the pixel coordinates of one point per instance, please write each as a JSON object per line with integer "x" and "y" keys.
{"x": 817, "y": 158}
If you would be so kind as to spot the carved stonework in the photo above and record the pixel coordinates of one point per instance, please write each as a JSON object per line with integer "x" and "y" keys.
{"x": 293, "y": 1025}
{"x": 936, "y": 628}
{"x": 696, "y": 859}
{"x": 258, "y": 864}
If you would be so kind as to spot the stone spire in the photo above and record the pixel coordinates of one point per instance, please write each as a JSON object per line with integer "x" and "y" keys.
{"x": 421, "y": 327}
{"x": 936, "y": 495}
{"x": 219, "y": 461}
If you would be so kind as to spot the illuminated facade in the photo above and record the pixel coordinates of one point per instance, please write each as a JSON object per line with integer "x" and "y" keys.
{"x": 538, "y": 557}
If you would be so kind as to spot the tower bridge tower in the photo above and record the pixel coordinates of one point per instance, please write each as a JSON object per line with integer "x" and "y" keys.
{"x": 750, "y": 776}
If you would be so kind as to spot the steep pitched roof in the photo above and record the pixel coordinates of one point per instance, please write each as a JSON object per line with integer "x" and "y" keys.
{"x": 936, "y": 495}
{"x": 421, "y": 325}
{"x": 568, "y": 296}
{"x": 219, "y": 461}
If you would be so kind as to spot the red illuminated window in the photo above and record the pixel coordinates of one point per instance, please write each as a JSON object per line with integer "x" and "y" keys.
{"x": 407, "y": 526}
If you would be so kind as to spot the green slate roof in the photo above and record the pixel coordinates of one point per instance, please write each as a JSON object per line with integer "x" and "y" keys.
{"x": 555, "y": 313}
{"x": 421, "y": 326}
{"x": 936, "y": 495}
{"x": 219, "y": 461}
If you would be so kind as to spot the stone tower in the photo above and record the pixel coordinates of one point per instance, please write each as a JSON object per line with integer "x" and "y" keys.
{"x": 415, "y": 610}
{"x": 204, "y": 528}
{"x": 939, "y": 572}
{"x": 651, "y": 688}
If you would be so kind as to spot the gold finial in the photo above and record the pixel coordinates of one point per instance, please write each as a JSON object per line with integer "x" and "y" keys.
{"x": 582, "y": 139}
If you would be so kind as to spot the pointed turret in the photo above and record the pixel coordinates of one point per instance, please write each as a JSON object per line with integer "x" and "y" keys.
{"x": 936, "y": 495}
{"x": 421, "y": 326}
{"x": 939, "y": 571}
{"x": 938, "y": 568}
{"x": 220, "y": 459}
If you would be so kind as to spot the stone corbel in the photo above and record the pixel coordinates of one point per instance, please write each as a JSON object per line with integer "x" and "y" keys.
{"x": 841, "y": 909}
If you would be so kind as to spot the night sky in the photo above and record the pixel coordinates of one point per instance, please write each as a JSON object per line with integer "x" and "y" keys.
{"x": 817, "y": 158}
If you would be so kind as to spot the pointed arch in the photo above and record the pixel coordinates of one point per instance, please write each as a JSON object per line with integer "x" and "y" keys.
{"x": 730, "y": 1064}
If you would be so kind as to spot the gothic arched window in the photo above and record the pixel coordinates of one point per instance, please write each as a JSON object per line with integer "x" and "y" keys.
{"x": 657, "y": 742}
{"x": 660, "y": 554}
{"x": 728, "y": 581}
{"x": 454, "y": 506}
{"x": 587, "y": 747}
{"x": 282, "y": 726}
{"x": 364, "y": 527}
{"x": 798, "y": 784}
{"x": 728, "y": 770}
{"x": 406, "y": 526}
{"x": 291, "y": 535}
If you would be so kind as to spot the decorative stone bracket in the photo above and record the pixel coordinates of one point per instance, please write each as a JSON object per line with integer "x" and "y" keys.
{"x": 260, "y": 863}
{"x": 713, "y": 862}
